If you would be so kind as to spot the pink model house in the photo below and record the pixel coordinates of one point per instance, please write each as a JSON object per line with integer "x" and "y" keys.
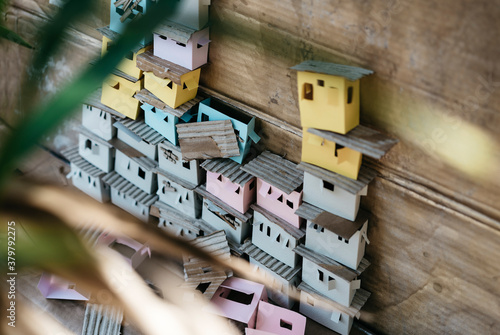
{"x": 55, "y": 287}
{"x": 133, "y": 251}
{"x": 237, "y": 299}
{"x": 181, "y": 45}
{"x": 279, "y": 185}
{"x": 229, "y": 183}
{"x": 279, "y": 320}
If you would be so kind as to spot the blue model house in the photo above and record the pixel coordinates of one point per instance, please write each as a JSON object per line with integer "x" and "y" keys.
{"x": 244, "y": 126}
{"x": 122, "y": 12}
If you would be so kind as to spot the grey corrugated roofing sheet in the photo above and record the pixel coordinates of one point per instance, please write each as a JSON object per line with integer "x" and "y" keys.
{"x": 193, "y": 137}
{"x": 276, "y": 171}
{"x": 175, "y": 31}
{"x": 184, "y": 183}
{"x": 216, "y": 244}
{"x": 365, "y": 176}
{"x": 94, "y": 99}
{"x": 327, "y": 263}
{"x": 84, "y": 131}
{"x": 106, "y": 31}
{"x": 201, "y": 190}
{"x": 293, "y": 231}
{"x": 141, "y": 129}
{"x": 117, "y": 182}
{"x": 145, "y": 162}
{"x": 161, "y": 210}
{"x": 102, "y": 320}
{"x": 332, "y": 222}
{"x": 74, "y": 157}
{"x": 229, "y": 169}
{"x": 366, "y": 140}
{"x": 161, "y": 68}
{"x": 281, "y": 269}
{"x": 147, "y": 97}
{"x": 357, "y": 303}
{"x": 349, "y": 72}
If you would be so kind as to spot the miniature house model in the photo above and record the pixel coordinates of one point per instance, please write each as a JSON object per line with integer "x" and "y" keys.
{"x": 181, "y": 45}
{"x": 335, "y": 237}
{"x": 118, "y": 92}
{"x": 279, "y": 321}
{"x": 95, "y": 150}
{"x": 98, "y": 121}
{"x": 279, "y": 185}
{"x": 244, "y": 126}
{"x": 228, "y": 182}
{"x": 177, "y": 223}
{"x": 170, "y": 159}
{"x": 139, "y": 136}
{"x": 329, "y": 95}
{"x": 123, "y": 12}
{"x": 237, "y": 299}
{"x": 132, "y": 251}
{"x": 171, "y": 83}
{"x": 139, "y": 170}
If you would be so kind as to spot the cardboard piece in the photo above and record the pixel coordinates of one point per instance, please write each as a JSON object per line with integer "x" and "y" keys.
{"x": 170, "y": 159}
{"x": 117, "y": 93}
{"x": 131, "y": 250}
{"x": 275, "y": 236}
{"x": 123, "y": 12}
{"x": 329, "y": 95}
{"x": 279, "y": 186}
{"x": 55, "y": 287}
{"x": 228, "y": 182}
{"x": 171, "y": 83}
{"x": 337, "y": 238}
{"x": 205, "y": 140}
{"x": 96, "y": 150}
{"x": 244, "y": 126}
{"x": 237, "y": 299}
{"x": 280, "y": 321}
{"x": 98, "y": 121}
{"x": 140, "y": 136}
{"x": 181, "y": 45}
{"x": 86, "y": 177}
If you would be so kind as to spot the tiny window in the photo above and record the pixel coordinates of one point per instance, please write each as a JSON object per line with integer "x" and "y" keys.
{"x": 315, "y": 226}
{"x": 163, "y": 37}
{"x": 181, "y": 233}
{"x": 170, "y": 223}
{"x": 289, "y": 204}
{"x": 287, "y": 244}
{"x": 278, "y": 238}
{"x": 198, "y": 45}
{"x": 338, "y": 147}
{"x": 166, "y": 119}
{"x": 268, "y": 231}
{"x": 180, "y": 44}
{"x": 237, "y": 190}
{"x": 346, "y": 241}
{"x": 90, "y": 180}
{"x": 270, "y": 190}
{"x": 280, "y": 199}
{"x": 328, "y": 186}
{"x": 89, "y": 107}
{"x": 142, "y": 173}
{"x": 331, "y": 283}
{"x": 186, "y": 165}
{"x": 204, "y": 117}
{"x": 321, "y": 82}
{"x": 153, "y": 109}
{"x": 187, "y": 196}
{"x": 307, "y": 93}
{"x": 202, "y": 287}
{"x": 219, "y": 178}
{"x": 285, "y": 324}
{"x": 170, "y": 85}
{"x": 88, "y": 144}
{"x": 261, "y": 227}
{"x": 184, "y": 86}
{"x": 321, "y": 276}
{"x": 130, "y": 55}
{"x": 128, "y": 166}
{"x": 340, "y": 238}
{"x": 322, "y": 230}
{"x": 180, "y": 199}
{"x": 237, "y": 296}
{"x": 252, "y": 185}
{"x": 105, "y": 116}
{"x": 94, "y": 184}
{"x": 350, "y": 92}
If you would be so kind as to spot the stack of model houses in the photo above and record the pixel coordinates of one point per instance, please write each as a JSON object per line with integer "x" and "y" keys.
{"x": 150, "y": 144}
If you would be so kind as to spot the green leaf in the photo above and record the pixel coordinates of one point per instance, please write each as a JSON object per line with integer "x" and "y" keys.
{"x": 12, "y": 36}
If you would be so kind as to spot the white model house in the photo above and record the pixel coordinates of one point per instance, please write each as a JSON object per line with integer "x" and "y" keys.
{"x": 86, "y": 177}
{"x": 276, "y": 236}
{"x": 96, "y": 150}
{"x": 129, "y": 197}
{"x": 170, "y": 159}
{"x": 330, "y": 314}
{"x": 337, "y": 238}
{"x": 99, "y": 118}
{"x": 177, "y": 223}
{"x": 284, "y": 277}
{"x": 136, "y": 168}
{"x": 140, "y": 136}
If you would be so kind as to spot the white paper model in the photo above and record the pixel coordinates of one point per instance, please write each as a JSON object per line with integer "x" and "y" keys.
{"x": 139, "y": 170}
{"x": 170, "y": 159}
{"x": 98, "y": 121}
{"x": 95, "y": 150}
{"x": 178, "y": 223}
{"x": 140, "y": 136}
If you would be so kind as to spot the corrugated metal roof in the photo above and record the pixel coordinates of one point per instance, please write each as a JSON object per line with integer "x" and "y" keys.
{"x": 293, "y": 231}
{"x": 215, "y": 244}
{"x": 210, "y": 139}
{"x": 117, "y": 182}
{"x": 327, "y": 263}
{"x": 336, "y": 224}
{"x": 365, "y": 176}
{"x": 87, "y": 133}
{"x": 201, "y": 190}
{"x": 144, "y": 162}
{"x": 349, "y": 72}
{"x": 94, "y": 99}
{"x": 357, "y": 303}
{"x": 229, "y": 169}
{"x": 147, "y": 97}
{"x": 74, "y": 157}
{"x": 161, "y": 68}
{"x": 175, "y": 179}
{"x": 141, "y": 129}
{"x": 276, "y": 171}
{"x": 106, "y": 31}
{"x": 161, "y": 210}
{"x": 281, "y": 269}
{"x": 177, "y": 32}
{"x": 102, "y": 320}
{"x": 366, "y": 140}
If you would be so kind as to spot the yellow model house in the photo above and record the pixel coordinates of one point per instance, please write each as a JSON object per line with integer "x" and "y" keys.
{"x": 329, "y": 95}
{"x": 329, "y": 155}
{"x": 128, "y": 64}
{"x": 171, "y": 83}
{"x": 118, "y": 94}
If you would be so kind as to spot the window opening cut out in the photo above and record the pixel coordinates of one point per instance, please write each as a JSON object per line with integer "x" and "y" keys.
{"x": 202, "y": 287}
{"x": 170, "y": 85}
{"x": 184, "y": 86}
{"x": 238, "y": 190}
{"x": 268, "y": 231}
{"x": 129, "y": 55}
{"x": 219, "y": 178}
{"x": 142, "y": 173}
{"x": 163, "y": 37}
{"x": 331, "y": 283}
{"x": 321, "y": 276}
{"x": 280, "y": 199}
{"x": 186, "y": 165}
{"x": 181, "y": 44}
{"x": 88, "y": 144}
{"x": 198, "y": 46}
{"x": 261, "y": 227}
{"x": 204, "y": 117}
{"x": 239, "y": 297}
{"x": 252, "y": 185}
{"x": 308, "y": 91}
{"x": 153, "y": 110}
{"x": 278, "y": 238}
{"x": 338, "y": 147}
{"x": 321, "y": 83}
{"x": 270, "y": 190}
{"x": 289, "y": 204}
{"x": 328, "y": 186}
{"x": 165, "y": 119}
{"x": 285, "y": 324}
{"x": 350, "y": 92}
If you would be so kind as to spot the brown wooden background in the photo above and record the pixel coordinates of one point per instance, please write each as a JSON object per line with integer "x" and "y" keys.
{"x": 435, "y": 229}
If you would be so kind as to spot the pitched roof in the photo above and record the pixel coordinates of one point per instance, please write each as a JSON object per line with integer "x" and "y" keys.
{"x": 201, "y": 190}
{"x": 276, "y": 171}
{"x": 281, "y": 269}
{"x": 353, "y": 186}
{"x": 175, "y": 31}
{"x": 292, "y": 230}
{"x": 161, "y": 68}
{"x": 161, "y": 210}
{"x": 147, "y": 97}
{"x": 117, "y": 182}
{"x": 210, "y": 139}
{"x": 349, "y": 72}
{"x": 139, "y": 130}
{"x": 366, "y": 140}
{"x": 332, "y": 222}
{"x": 229, "y": 169}
{"x": 94, "y": 99}
{"x": 74, "y": 157}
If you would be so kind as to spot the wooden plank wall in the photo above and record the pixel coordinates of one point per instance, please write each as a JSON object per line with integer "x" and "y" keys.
{"x": 435, "y": 227}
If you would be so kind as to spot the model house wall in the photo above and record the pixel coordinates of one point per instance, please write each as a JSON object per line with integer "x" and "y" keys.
{"x": 98, "y": 121}
{"x": 280, "y": 321}
{"x": 55, "y": 287}
{"x": 129, "y": 14}
{"x": 132, "y": 251}
{"x": 95, "y": 150}
{"x": 279, "y": 203}
{"x": 161, "y": 121}
{"x": 118, "y": 92}
{"x": 140, "y": 171}
{"x": 170, "y": 159}
{"x": 178, "y": 194}
{"x": 138, "y": 135}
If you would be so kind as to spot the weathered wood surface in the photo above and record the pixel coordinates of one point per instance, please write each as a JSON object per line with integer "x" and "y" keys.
{"x": 435, "y": 226}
